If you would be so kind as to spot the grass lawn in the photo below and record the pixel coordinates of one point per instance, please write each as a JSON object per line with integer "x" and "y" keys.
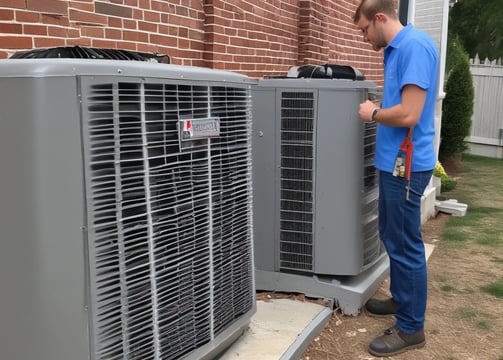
{"x": 470, "y": 276}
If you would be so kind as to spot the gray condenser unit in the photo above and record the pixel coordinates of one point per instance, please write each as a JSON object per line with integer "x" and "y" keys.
{"x": 125, "y": 210}
{"x": 316, "y": 190}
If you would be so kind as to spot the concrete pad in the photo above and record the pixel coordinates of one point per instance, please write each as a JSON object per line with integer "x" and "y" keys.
{"x": 280, "y": 329}
{"x": 348, "y": 292}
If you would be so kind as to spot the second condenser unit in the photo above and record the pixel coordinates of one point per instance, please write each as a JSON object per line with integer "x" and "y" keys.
{"x": 316, "y": 190}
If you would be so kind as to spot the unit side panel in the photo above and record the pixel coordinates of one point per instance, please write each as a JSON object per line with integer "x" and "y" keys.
{"x": 339, "y": 170}
{"x": 265, "y": 178}
{"x": 42, "y": 269}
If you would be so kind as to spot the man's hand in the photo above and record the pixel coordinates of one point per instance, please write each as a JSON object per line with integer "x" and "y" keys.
{"x": 366, "y": 109}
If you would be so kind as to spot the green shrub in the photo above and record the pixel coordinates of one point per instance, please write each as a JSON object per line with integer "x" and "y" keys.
{"x": 457, "y": 106}
{"x": 447, "y": 183}
{"x": 455, "y": 53}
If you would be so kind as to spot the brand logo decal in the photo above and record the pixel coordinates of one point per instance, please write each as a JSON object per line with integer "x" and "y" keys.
{"x": 192, "y": 129}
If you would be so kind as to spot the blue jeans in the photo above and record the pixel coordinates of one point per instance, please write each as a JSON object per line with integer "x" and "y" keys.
{"x": 400, "y": 231}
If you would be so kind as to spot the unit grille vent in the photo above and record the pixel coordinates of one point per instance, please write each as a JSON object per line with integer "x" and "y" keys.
{"x": 169, "y": 229}
{"x": 370, "y": 233}
{"x": 296, "y": 182}
{"x": 297, "y": 143}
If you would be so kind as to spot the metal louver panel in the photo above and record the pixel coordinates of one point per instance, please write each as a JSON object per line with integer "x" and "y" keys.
{"x": 169, "y": 228}
{"x": 296, "y": 182}
{"x": 370, "y": 225}
{"x": 297, "y": 185}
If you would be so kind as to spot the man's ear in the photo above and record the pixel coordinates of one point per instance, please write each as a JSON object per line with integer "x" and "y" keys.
{"x": 381, "y": 17}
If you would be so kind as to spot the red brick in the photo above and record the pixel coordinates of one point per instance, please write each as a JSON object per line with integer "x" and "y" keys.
{"x": 73, "y": 33}
{"x": 196, "y": 35}
{"x": 82, "y": 17}
{"x": 6, "y": 15}
{"x": 27, "y": 16}
{"x": 183, "y": 43}
{"x": 18, "y": 4}
{"x": 16, "y": 42}
{"x": 219, "y": 49}
{"x": 135, "y": 36}
{"x": 79, "y": 42}
{"x": 126, "y": 46}
{"x": 156, "y": 5}
{"x": 152, "y": 16}
{"x": 129, "y": 24}
{"x": 265, "y": 37}
{"x": 115, "y": 22}
{"x": 168, "y": 30}
{"x": 11, "y": 28}
{"x": 183, "y": 32}
{"x": 45, "y": 42}
{"x": 113, "y": 10}
{"x": 182, "y": 11}
{"x": 220, "y": 59}
{"x": 54, "y": 20}
{"x": 144, "y": 4}
{"x": 115, "y": 34}
{"x": 57, "y": 32}
{"x": 82, "y": 6}
{"x": 39, "y": 30}
{"x": 92, "y": 31}
{"x": 146, "y": 26}
{"x": 163, "y": 40}
{"x": 137, "y": 14}
{"x": 147, "y": 48}
{"x": 99, "y": 43}
{"x": 197, "y": 46}
{"x": 48, "y": 6}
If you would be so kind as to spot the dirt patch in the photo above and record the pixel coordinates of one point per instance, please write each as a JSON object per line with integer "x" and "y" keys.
{"x": 452, "y": 165}
{"x": 462, "y": 322}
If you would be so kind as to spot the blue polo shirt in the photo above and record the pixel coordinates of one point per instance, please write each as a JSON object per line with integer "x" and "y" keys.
{"x": 410, "y": 58}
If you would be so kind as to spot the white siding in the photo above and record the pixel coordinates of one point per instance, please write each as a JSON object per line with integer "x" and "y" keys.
{"x": 428, "y": 16}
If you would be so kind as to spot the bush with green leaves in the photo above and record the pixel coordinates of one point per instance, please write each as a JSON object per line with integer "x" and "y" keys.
{"x": 457, "y": 108}
{"x": 447, "y": 183}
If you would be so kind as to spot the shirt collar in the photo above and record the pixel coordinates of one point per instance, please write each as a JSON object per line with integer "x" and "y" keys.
{"x": 398, "y": 39}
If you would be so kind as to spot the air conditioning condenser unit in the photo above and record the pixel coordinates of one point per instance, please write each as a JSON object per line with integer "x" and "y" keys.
{"x": 125, "y": 210}
{"x": 316, "y": 190}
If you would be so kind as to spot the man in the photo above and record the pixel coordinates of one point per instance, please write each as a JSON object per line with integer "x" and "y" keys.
{"x": 405, "y": 158}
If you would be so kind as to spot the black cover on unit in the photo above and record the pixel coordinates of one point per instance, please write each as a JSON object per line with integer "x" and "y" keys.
{"x": 78, "y": 52}
{"x": 329, "y": 71}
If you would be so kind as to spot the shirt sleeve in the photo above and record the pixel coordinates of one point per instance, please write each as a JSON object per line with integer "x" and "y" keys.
{"x": 416, "y": 63}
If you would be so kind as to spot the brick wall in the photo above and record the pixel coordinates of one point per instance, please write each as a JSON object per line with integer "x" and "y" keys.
{"x": 253, "y": 37}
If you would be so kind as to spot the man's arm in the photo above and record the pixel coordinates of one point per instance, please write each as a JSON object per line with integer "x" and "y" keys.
{"x": 405, "y": 114}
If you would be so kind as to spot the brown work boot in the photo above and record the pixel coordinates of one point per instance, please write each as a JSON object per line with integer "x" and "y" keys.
{"x": 395, "y": 341}
{"x": 380, "y": 308}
